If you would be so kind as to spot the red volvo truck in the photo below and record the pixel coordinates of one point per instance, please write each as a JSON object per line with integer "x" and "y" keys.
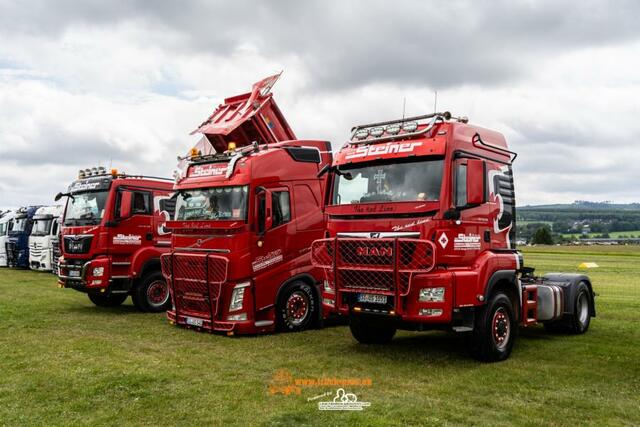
{"x": 421, "y": 223}
{"x": 245, "y": 219}
{"x": 112, "y": 237}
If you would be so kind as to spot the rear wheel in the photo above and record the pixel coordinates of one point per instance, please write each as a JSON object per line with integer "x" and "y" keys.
{"x": 107, "y": 300}
{"x": 580, "y": 319}
{"x": 495, "y": 330}
{"x": 369, "y": 330}
{"x": 152, "y": 293}
{"x": 297, "y": 307}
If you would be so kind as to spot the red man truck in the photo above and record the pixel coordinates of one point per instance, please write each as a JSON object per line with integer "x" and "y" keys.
{"x": 112, "y": 237}
{"x": 421, "y": 223}
{"x": 245, "y": 220}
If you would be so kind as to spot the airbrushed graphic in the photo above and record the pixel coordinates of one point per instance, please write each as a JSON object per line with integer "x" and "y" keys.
{"x": 502, "y": 192}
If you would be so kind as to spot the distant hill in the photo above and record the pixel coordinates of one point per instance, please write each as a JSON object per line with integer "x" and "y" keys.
{"x": 584, "y": 205}
{"x": 579, "y": 217}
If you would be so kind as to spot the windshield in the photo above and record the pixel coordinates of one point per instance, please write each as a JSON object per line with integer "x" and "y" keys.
{"x": 41, "y": 227}
{"x": 20, "y": 224}
{"x": 395, "y": 182}
{"x": 85, "y": 208}
{"x": 219, "y": 203}
{"x": 3, "y": 228}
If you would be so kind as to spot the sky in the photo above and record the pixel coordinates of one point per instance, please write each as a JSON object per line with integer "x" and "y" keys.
{"x": 123, "y": 83}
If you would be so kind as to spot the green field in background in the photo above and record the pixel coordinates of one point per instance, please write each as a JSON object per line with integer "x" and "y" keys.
{"x": 64, "y": 361}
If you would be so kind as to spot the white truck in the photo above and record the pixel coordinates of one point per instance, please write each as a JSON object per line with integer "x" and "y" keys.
{"x": 44, "y": 237}
{"x": 6, "y": 220}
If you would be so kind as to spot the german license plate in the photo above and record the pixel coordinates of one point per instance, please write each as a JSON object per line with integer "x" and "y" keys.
{"x": 372, "y": 298}
{"x": 74, "y": 273}
{"x": 193, "y": 321}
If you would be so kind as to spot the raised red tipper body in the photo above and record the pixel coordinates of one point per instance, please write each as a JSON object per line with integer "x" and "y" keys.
{"x": 421, "y": 223}
{"x": 245, "y": 220}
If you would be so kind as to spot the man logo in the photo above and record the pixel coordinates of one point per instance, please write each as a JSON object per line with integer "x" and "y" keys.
{"x": 374, "y": 235}
{"x": 367, "y": 251}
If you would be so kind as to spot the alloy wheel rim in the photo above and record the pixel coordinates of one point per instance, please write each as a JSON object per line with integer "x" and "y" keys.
{"x": 297, "y": 308}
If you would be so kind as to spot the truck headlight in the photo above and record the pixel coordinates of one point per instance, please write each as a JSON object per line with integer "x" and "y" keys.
{"x": 431, "y": 295}
{"x": 98, "y": 272}
{"x": 237, "y": 296}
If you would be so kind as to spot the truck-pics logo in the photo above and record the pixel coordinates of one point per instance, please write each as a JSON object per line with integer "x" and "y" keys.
{"x": 389, "y": 148}
{"x": 343, "y": 401}
{"x": 264, "y": 261}
{"x": 207, "y": 170}
{"x": 127, "y": 239}
{"x": 466, "y": 242}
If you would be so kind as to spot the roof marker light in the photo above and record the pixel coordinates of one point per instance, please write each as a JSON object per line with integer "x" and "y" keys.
{"x": 410, "y": 126}
{"x": 393, "y": 128}
{"x": 362, "y": 134}
{"x": 376, "y": 132}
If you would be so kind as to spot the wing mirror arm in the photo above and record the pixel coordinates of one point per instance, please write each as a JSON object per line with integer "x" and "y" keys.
{"x": 61, "y": 195}
{"x": 452, "y": 214}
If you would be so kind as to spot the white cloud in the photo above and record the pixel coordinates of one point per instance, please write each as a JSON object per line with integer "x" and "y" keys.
{"x": 86, "y": 84}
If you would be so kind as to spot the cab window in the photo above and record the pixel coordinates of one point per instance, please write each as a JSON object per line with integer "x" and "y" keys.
{"x": 460, "y": 184}
{"x": 281, "y": 208}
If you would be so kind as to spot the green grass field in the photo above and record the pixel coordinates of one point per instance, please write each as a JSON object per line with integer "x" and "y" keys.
{"x": 64, "y": 361}
{"x": 613, "y": 234}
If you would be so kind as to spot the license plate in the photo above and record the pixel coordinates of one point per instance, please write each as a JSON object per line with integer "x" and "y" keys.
{"x": 372, "y": 298}
{"x": 74, "y": 273}
{"x": 193, "y": 321}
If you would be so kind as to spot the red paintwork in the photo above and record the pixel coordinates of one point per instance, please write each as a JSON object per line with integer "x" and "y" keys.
{"x": 122, "y": 262}
{"x": 231, "y": 250}
{"x": 463, "y": 261}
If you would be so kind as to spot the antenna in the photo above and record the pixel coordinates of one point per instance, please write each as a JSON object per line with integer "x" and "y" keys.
{"x": 404, "y": 107}
{"x": 435, "y": 101}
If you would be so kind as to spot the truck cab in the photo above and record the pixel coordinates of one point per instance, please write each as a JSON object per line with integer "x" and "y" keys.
{"x": 17, "y": 245}
{"x": 246, "y": 216}
{"x": 6, "y": 223}
{"x": 113, "y": 233}
{"x": 421, "y": 224}
{"x": 43, "y": 238}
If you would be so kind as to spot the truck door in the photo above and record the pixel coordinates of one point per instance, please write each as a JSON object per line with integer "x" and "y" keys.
{"x": 469, "y": 234}
{"x": 132, "y": 228}
{"x": 272, "y": 248}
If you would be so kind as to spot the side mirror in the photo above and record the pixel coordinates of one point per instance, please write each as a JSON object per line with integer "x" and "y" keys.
{"x": 268, "y": 210}
{"x": 58, "y": 197}
{"x": 126, "y": 198}
{"x": 475, "y": 181}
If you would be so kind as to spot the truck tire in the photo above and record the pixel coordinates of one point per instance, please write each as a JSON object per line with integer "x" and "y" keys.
{"x": 296, "y": 309}
{"x": 369, "y": 330}
{"x": 151, "y": 293}
{"x": 495, "y": 330}
{"x": 107, "y": 300}
{"x": 577, "y": 322}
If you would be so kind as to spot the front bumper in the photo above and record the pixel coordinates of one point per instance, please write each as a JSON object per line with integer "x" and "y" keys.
{"x": 395, "y": 270}
{"x": 241, "y": 327}
{"x": 78, "y": 274}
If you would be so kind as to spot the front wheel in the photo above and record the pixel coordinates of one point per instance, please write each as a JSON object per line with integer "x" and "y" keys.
{"x": 369, "y": 330}
{"x": 152, "y": 293}
{"x": 107, "y": 300}
{"x": 495, "y": 330}
{"x": 297, "y": 307}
